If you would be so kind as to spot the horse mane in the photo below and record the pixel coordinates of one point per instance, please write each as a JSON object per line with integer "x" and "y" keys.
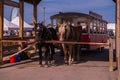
{"x": 71, "y": 33}
{"x": 46, "y": 34}
{"x": 77, "y": 33}
{"x": 53, "y": 33}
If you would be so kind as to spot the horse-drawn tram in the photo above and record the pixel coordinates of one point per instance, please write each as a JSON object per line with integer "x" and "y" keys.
{"x": 94, "y": 28}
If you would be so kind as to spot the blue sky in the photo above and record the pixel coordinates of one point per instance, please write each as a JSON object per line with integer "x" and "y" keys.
{"x": 104, "y": 7}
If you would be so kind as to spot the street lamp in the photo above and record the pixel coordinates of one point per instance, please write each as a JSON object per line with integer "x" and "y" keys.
{"x": 44, "y": 14}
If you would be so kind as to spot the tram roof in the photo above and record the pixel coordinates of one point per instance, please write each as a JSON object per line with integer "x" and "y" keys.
{"x": 72, "y": 15}
{"x": 33, "y": 1}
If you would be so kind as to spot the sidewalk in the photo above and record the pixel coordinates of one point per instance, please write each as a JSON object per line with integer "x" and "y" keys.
{"x": 93, "y": 66}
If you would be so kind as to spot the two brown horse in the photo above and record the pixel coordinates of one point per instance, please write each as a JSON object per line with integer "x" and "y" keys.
{"x": 70, "y": 33}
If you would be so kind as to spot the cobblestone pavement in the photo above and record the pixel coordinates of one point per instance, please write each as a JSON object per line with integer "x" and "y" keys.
{"x": 93, "y": 66}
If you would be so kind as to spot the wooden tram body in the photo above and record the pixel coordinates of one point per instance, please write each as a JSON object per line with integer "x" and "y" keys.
{"x": 94, "y": 28}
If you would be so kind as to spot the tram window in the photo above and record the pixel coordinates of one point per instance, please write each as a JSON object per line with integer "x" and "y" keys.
{"x": 101, "y": 30}
{"x": 94, "y": 30}
{"x": 91, "y": 28}
{"x": 105, "y": 31}
{"x": 84, "y": 29}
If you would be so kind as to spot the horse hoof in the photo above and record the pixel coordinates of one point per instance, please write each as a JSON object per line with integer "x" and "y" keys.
{"x": 41, "y": 65}
{"x": 69, "y": 64}
{"x": 75, "y": 62}
{"x": 47, "y": 66}
{"x": 52, "y": 62}
{"x": 66, "y": 62}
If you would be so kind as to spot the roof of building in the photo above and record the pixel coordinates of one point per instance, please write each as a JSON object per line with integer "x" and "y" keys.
{"x": 33, "y": 1}
{"x": 71, "y": 15}
{"x": 68, "y": 14}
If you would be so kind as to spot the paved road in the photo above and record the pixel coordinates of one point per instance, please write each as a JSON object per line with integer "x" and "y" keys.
{"x": 93, "y": 66}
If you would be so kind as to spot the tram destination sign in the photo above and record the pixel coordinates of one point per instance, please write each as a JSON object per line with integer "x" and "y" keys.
{"x": 94, "y": 14}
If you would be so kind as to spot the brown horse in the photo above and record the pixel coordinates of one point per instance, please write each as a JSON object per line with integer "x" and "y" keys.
{"x": 70, "y": 33}
{"x": 43, "y": 33}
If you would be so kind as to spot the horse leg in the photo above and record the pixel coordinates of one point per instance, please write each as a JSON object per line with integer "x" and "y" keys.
{"x": 40, "y": 55}
{"x": 52, "y": 52}
{"x": 79, "y": 52}
{"x": 70, "y": 54}
{"x": 62, "y": 51}
{"x": 47, "y": 55}
{"x": 74, "y": 53}
{"x": 65, "y": 53}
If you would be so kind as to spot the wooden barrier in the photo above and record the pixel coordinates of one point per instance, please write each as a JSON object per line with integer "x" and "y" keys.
{"x": 111, "y": 60}
{"x": 14, "y": 40}
{"x": 59, "y": 42}
{"x": 110, "y": 44}
{"x": 32, "y": 43}
{"x": 29, "y": 46}
{"x": 69, "y": 42}
{"x": 10, "y": 47}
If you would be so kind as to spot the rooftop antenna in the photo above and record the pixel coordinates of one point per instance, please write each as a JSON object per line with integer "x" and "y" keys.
{"x": 44, "y": 14}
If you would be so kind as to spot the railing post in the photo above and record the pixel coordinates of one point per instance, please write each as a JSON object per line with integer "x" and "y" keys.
{"x": 1, "y": 29}
{"x": 111, "y": 60}
{"x": 1, "y": 52}
{"x": 34, "y": 23}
